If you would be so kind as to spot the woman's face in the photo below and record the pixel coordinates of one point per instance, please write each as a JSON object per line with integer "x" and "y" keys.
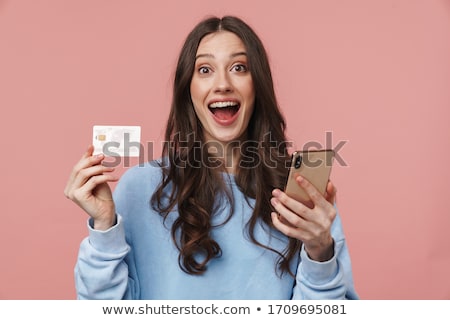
{"x": 222, "y": 87}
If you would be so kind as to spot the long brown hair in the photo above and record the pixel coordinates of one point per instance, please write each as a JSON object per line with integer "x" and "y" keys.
{"x": 191, "y": 180}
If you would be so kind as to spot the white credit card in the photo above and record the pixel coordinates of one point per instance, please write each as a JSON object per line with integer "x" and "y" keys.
{"x": 117, "y": 141}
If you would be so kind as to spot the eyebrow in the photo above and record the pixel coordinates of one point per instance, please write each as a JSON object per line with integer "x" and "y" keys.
{"x": 210, "y": 55}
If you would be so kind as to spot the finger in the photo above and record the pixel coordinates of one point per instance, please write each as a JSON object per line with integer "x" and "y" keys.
{"x": 288, "y": 202}
{"x": 84, "y": 175}
{"x": 86, "y": 160}
{"x": 287, "y": 228}
{"x": 331, "y": 193}
{"x": 89, "y": 161}
{"x": 281, "y": 226}
{"x": 316, "y": 197}
{"x": 296, "y": 215}
{"x": 89, "y": 151}
{"x": 87, "y": 190}
{"x": 84, "y": 163}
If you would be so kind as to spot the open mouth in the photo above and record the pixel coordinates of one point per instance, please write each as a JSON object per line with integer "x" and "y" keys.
{"x": 224, "y": 110}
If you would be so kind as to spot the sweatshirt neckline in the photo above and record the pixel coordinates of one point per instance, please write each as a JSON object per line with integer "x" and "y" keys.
{"x": 229, "y": 178}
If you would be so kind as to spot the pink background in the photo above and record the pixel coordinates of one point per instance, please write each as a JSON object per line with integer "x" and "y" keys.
{"x": 374, "y": 73}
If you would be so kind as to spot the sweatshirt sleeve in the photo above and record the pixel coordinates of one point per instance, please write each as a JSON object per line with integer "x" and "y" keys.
{"x": 329, "y": 280}
{"x": 100, "y": 271}
{"x": 105, "y": 267}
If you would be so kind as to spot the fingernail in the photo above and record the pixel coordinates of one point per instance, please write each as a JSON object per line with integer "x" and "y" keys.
{"x": 274, "y": 201}
{"x": 276, "y": 192}
{"x": 300, "y": 180}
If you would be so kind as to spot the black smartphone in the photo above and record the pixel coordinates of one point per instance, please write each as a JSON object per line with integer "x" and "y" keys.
{"x": 314, "y": 166}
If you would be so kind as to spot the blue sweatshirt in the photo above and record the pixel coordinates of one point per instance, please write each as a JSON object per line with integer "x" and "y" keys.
{"x": 137, "y": 259}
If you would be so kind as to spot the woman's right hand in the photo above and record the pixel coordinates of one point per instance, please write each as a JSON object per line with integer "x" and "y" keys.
{"x": 88, "y": 188}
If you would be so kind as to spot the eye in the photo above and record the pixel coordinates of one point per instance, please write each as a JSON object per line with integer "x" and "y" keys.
{"x": 204, "y": 70}
{"x": 239, "y": 68}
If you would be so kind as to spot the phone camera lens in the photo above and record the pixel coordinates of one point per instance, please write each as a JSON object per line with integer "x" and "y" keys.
{"x": 298, "y": 162}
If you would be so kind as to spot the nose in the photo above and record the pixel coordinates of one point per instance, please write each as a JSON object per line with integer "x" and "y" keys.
{"x": 222, "y": 83}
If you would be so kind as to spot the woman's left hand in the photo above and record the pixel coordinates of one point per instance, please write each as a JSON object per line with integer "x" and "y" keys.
{"x": 309, "y": 224}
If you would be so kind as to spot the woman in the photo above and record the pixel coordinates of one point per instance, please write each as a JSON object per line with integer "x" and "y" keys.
{"x": 209, "y": 219}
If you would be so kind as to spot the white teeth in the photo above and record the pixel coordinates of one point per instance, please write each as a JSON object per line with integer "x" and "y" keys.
{"x": 223, "y": 104}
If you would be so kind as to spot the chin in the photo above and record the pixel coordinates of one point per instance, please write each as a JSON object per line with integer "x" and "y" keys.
{"x": 227, "y": 138}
